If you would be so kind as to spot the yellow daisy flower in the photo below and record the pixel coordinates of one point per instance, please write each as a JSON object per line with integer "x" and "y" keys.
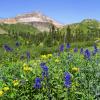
{"x": 27, "y": 69}
{"x": 49, "y": 55}
{"x": 6, "y": 88}
{"x": 75, "y": 69}
{"x": 1, "y": 93}
{"x": 57, "y": 60}
{"x": 16, "y": 82}
{"x": 44, "y": 57}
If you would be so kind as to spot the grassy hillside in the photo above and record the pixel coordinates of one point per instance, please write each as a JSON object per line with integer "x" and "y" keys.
{"x": 19, "y": 28}
{"x": 86, "y": 30}
{"x": 85, "y": 26}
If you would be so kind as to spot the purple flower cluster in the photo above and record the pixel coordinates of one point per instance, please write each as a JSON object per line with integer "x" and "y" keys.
{"x": 44, "y": 70}
{"x": 62, "y": 48}
{"x": 75, "y": 49}
{"x": 37, "y": 84}
{"x": 17, "y": 44}
{"x": 28, "y": 55}
{"x": 68, "y": 46}
{"x": 81, "y": 51}
{"x": 95, "y": 50}
{"x": 87, "y": 54}
{"x": 7, "y": 48}
{"x": 67, "y": 80}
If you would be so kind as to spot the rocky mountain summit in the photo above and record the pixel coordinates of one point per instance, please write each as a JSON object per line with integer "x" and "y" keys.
{"x": 37, "y": 19}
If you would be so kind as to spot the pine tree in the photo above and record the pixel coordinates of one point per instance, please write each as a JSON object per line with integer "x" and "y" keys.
{"x": 68, "y": 35}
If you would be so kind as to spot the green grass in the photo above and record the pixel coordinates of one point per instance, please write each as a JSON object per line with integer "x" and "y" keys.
{"x": 84, "y": 83}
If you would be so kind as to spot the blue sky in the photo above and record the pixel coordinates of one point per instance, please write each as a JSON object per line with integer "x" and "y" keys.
{"x": 64, "y": 11}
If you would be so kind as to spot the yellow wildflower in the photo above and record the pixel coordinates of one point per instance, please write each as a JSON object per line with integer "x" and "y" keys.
{"x": 26, "y": 68}
{"x": 1, "y": 93}
{"x": 16, "y": 82}
{"x": 49, "y": 55}
{"x": 75, "y": 69}
{"x": 57, "y": 60}
{"x": 6, "y": 88}
{"x": 44, "y": 57}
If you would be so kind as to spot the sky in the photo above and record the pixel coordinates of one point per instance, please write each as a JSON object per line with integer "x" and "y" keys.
{"x": 63, "y": 11}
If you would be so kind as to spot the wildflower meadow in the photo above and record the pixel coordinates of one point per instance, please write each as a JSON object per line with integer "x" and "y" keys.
{"x": 69, "y": 74}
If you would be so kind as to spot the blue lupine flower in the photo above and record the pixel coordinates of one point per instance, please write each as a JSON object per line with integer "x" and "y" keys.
{"x": 67, "y": 80}
{"x": 87, "y": 54}
{"x": 17, "y": 44}
{"x": 28, "y": 55}
{"x": 81, "y": 51}
{"x": 42, "y": 64}
{"x": 44, "y": 70}
{"x": 68, "y": 46}
{"x": 75, "y": 49}
{"x": 37, "y": 84}
{"x": 62, "y": 48}
{"x": 44, "y": 74}
{"x": 95, "y": 50}
{"x": 7, "y": 48}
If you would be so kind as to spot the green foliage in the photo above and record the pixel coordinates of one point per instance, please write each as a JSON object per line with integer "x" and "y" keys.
{"x": 86, "y": 30}
{"x": 18, "y": 28}
{"x": 84, "y": 83}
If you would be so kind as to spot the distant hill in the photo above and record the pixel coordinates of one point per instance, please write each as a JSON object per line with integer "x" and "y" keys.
{"x": 85, "y": 26}
{"x": 36, "y": 19}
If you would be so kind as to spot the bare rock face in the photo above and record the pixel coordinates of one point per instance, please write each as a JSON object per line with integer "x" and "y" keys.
{"x": 8, "y": 21}
{"x": 36, "y": 19}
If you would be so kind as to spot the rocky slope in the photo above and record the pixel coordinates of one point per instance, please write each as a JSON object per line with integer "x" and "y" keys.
{"x": 36, "y": 19}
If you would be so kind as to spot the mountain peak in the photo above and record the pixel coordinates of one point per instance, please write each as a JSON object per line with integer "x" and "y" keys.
{"x": 35, "y": 14}
{"x": 37, "y": 19}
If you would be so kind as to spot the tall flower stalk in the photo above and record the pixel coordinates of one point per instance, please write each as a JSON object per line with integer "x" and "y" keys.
{"x": 75, "y": 49}
{"x": 95, "y": 50}
{"x": 28, "y": 56}
{"x": 87, "y": 54}
{"x": 68, "y": 46}
{"x": 7, "y": 48}
{"x": 37, "y": 84}
{"x": 45, "y": 75}
{"x": 67, "y": 82}
{"x": 61, "y": 48}
{"x": 81, "y": 51}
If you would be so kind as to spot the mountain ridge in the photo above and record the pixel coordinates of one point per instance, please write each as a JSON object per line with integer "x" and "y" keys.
{"x": 37, "y": 19}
